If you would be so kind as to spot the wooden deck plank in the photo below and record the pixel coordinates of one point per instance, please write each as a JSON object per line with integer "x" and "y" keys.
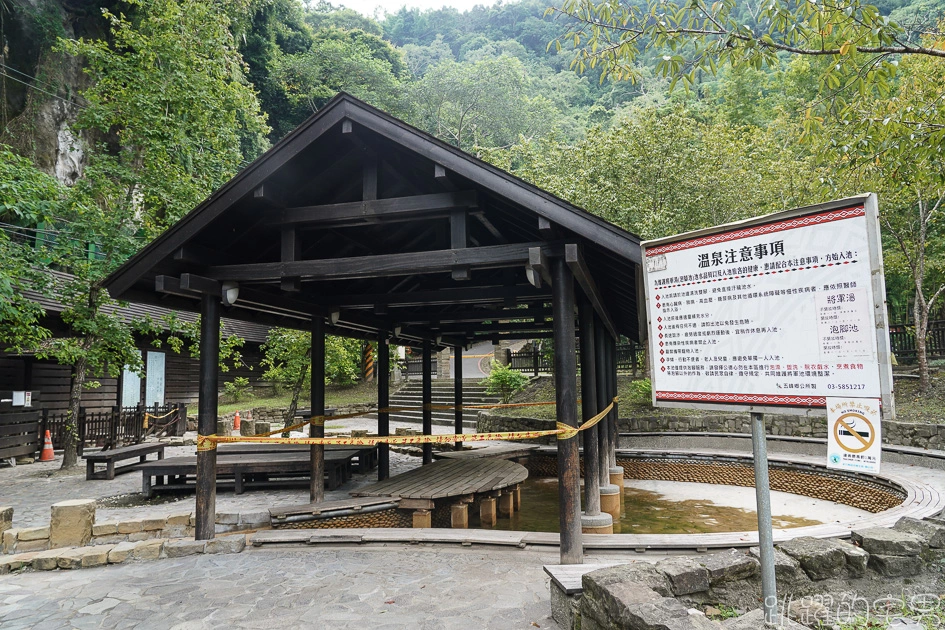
{"x": 315, "y": 509}
{"x": 447, "y": 478}
{"x": 569, "y": 577}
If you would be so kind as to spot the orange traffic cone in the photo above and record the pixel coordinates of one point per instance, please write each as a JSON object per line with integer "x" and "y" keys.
{"x": 236, "y": 421}
{"x": 47, "y": 454}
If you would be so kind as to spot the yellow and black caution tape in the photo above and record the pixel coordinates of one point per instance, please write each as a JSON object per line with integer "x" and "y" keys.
{"x": 562, "y": 431}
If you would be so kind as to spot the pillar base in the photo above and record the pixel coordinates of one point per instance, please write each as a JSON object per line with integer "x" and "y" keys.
{"x": 487, "y": 515}
{"x": 602, "y": 523}
{"x": 616, "y": 476}
{"x": 506, "y": 503}
{"x": 459, "y": 516}
{"x": 610, "y": 501}
{"x": 422, "y": 518}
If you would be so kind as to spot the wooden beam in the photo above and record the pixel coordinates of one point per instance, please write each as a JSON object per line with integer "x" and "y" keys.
{"x": 380, "y": 266}
{"x": 469, "y": 316}
{"x": 369, "y": 178}
{"x": 539, "y": 265}
{"x": 200, "y": 284}
{"x": 459, "y": 240}
{"x": 546, "y": 229}
{"x": 347, "y": 127}
{"x": 290, "y": 253}
{"x": 372, "y": 210}
{"x": 436, "y": 297}
{"x": 317, "y": 429}
{"x": 196, "y": 255}
{"x": 575, "y": 260}
{"x": 171, "y": 286}
{"x": 268, "y": 194}
{"x": 492, "y": 229}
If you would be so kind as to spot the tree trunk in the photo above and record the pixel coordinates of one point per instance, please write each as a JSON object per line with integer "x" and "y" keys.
{"x": 71, "y": 434}
{"x": 296, "y": 392}
{"x": 921, "y": 315}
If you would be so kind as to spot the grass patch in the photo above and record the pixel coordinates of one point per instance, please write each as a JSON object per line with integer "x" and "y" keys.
{"x": 916, "y": 408}
{"x": 335, "y": 396}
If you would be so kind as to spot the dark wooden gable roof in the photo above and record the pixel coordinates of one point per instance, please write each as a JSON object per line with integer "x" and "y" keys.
{"x": 371, "y": 214}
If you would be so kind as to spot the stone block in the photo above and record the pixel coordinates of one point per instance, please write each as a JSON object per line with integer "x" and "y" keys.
{"x": 23, "y": 546}
{"x": 177, "y": 531}
{"x": 181, "y": 518}
{"x": 226, "y": 544}
{"x": 152, "y": 524}
{"x": 104, "y": 529}
{"x": 565, "y": 609}
{"x": 820, "y": 558}
{"x": 227, "y": 518}
{"x": 641, "y": 573}
{"x": 895, "y": 566}
{"x": 6, "y": 518}
{"x": 142, "y": 536}
{"x": 808, "y": 611}
{"x": 887, "y": 542}
{"x": 46, "y": 560}
{"x": 180, "y": 548}
{"x": 16, "y": 562}
{"x": 33, "y": 533}
{"x": 120, "y": 552}
{"x": 730, "y": 565}
{"x": 95, "y": 556}
{"x": 130, "y": 527}
{"x": 856, "y": 557}
{"x": 787, "y": 570}
{"x": 685, "y": 575}
{"x": 10, "y": 538}
{"x": 263, "y": 427}
{"x": 422, "y": 518}
{"x": 604, "y": 604}
{"x": 109, "y": 539}
{"x": 255, "y": 519}
{"x": 247, "y": 426}
{"x": 70, "y": 523}
{"x": 148, "y": 549}
{"x": 929, "y": 532}
{"x": 755, "y": 620}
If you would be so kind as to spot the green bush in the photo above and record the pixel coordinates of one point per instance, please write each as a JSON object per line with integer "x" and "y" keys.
{"x": 641, "y": 392}
{"x": 504, "y": 381}
{"x": 238, "y": 390}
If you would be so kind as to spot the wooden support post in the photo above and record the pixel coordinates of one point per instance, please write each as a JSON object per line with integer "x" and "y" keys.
{"x": 603, "y": 436}
{"x": 487, "y": 515}
{"x": 427, "y": 401}
{"x": 205, "y": 513}
{"x": 317, "y": 429}
{"x": 506, "y": 503}
{"x": 569, "y": 475}
{"x": 459, "y": 516}
{"x": 458, "y": 393}
{"x": 589, "y": 409}
{"x": 383, "y": 402}
{"x": 612, "y": 392}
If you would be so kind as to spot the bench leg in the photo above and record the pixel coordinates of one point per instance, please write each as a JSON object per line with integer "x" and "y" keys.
{"x": 89, "y": 470}
{"x": 238, "y": 481}
{"x": 110, "y": 469}
{"x": 146, "y": 485}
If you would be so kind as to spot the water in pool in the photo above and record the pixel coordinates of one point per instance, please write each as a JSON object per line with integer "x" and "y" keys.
{"x": 648, "y": 512}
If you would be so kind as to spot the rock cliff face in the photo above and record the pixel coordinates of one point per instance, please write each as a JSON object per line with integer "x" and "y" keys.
{"x": 39, "y": 87}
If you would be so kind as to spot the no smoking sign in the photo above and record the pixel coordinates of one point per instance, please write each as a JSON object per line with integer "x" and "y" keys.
{"x": 854, "y": 439}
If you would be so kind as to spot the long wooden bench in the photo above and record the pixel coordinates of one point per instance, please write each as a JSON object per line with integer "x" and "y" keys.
{"x": 366, "y": 458}
{"x": 258, "y": 470}
{"x": 112, "y": 456}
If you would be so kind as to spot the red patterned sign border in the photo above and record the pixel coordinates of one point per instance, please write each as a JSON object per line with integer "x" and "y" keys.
{"x": 745, "y": 399}
{"x": 757, "y": 230}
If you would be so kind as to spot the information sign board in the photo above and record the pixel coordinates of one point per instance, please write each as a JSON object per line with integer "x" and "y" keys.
{"x": 775, "y": 314}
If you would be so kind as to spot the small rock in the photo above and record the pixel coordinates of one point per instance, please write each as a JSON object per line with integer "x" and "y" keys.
{"x": 226, "y": 544}
{"x": 33, "y": 533}
{"x": 888, "y": 542}
{"x": 120, "y": 552}
{"x": 180, "y": 548}
{"x": 641, "y": 573}
{"x": 857, "y": 558}
{"x": 129, "y": 527}
{"x": 808, "y": 611}
{"x": 895, "y": 566}
{"x": 148, "y": 550}
{"x": 104, "y": 529}
{"x": 46, "y": 560}
{"x": 685, "y": 575}
{"x": 227, "y": 518}
{"x": 787, "y": 570}
{"x": 730, "y": 565}
{"x": 712, "y": 611}
{"x": 820, "y": 559}
{"x": 930, "y": 533}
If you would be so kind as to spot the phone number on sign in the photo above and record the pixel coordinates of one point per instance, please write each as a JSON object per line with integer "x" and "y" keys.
{"x": 846, "y": 386}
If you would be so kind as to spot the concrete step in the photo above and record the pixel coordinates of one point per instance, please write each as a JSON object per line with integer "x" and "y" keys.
{"x": 441, "y": 422}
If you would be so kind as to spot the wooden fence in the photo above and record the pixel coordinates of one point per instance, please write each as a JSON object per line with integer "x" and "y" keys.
{"x": 902, "y": 341}
{"x": 119, "y": 426}
{"x": 19, "y": 433}
{"x": 630, "y": 358}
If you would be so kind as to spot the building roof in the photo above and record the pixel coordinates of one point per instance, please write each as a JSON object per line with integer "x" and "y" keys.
{"x": 367, "y": 211}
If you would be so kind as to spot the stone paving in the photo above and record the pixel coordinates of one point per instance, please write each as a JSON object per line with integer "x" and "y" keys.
{"x": 380, "y": 588}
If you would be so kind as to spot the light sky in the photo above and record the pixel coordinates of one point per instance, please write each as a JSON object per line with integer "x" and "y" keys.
{"x": 368, "y": 7}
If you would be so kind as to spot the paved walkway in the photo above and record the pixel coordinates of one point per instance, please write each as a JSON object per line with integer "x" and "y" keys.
{"x": 381, "y": 588}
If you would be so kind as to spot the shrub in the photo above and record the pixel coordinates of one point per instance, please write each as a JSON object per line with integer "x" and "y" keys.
{"x": 504, "y": 381}
{"x": 641, "y": 392}
{"x": 238, "y": 389}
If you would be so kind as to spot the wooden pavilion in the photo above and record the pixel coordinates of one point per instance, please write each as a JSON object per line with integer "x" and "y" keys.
{"x": 357, "y": 224}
